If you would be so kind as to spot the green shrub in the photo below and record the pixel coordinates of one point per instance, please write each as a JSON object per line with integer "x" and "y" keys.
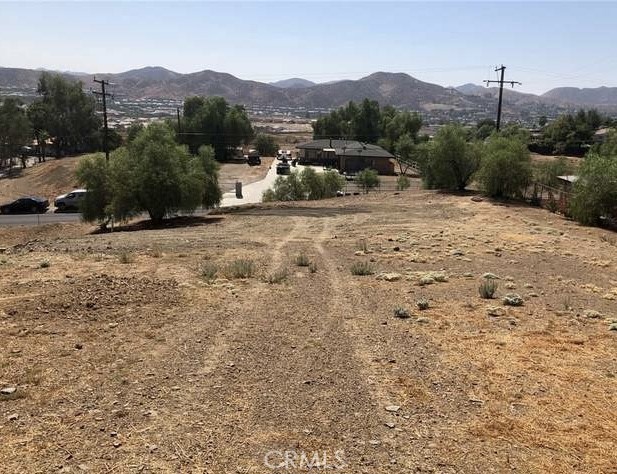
{"x": 362, "y": 269}
{"x": 402, "y": 182}
{"x": 307, "y": 184}
{"x": 487, "y": 288}
{"x": 449, "y": 161}
{"x": 240, "y": 268}
{"x": 595, "y": 192}
{"x": 367, "y": 179}
{"x": 333, "y": 183}
{"x": 505, "y": 170}
{"x": 208, "y": 271}
{"x": 44, "y": 264}
{"x": 286, "y": 188}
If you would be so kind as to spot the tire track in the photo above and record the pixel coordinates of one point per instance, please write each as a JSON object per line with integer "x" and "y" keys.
{"x": 220, "y": 345}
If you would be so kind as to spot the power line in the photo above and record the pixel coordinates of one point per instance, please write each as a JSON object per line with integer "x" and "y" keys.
{"x": 501, "y": 82}
{"x": 104, "y": 95}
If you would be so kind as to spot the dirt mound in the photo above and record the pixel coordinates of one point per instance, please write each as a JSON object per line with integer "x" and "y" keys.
{"x": 90, "y": 298}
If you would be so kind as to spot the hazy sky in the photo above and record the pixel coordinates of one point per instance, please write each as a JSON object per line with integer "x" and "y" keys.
{"x": 543, "y": 45}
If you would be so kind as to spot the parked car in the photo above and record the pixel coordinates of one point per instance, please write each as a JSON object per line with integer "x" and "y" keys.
{"x": 70, "y": 201}
{"x": 253, "y": 158}
{"x": 283, "y": 168}
{"x": 26, "y": 205}
{"x": 283, "y": 155}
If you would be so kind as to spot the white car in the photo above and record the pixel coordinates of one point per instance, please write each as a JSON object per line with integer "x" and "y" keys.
{"x": 70, "y": 201}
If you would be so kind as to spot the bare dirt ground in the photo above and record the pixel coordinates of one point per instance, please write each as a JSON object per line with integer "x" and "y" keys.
{"x": 49, "y": 179}
{"x": 232, "y": 172}
{"x": 125, "y": 358}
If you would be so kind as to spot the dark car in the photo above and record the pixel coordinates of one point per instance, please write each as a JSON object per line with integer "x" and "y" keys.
{"x": 253, "y": 160}
{"x": 26, "y": 205}
{"x": 283, "y": 168}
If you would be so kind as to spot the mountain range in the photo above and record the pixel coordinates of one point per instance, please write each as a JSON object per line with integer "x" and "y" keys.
{"x": 397, "y": 89}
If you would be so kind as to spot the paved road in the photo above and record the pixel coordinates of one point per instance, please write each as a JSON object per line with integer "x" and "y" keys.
{"x": 251, "y": 193}
{"x": 37, "y": 219}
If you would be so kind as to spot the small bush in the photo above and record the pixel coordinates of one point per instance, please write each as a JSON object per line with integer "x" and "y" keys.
{"x": 312, "y": 267}
{"x": 362, "y": 269}
{"x": 208, "y": 271}
{"x": 44, "y": 264}
{"x": 422, "y": 304}
{"x": 240, "y": 268}
{"x": 367, "y": 179}
{"x": 402, "y": 182}
{"x": 487, "y": 288}
{"x": 277, "y": 277}
{"x": 302, "y": 260}
{"x": 401, "y": 313}
{"x": 505, "y": 170}
{"x": 126, "y": 258}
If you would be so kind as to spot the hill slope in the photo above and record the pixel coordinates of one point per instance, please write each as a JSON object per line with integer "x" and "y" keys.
{"x": 601, "y": 96}
{"x": 293, "y": 83}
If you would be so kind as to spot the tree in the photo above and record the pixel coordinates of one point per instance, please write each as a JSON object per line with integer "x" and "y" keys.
{"x": 266, "y": 145}
{"x": 367, "y": 179}
{"x": 451, "y": 161}
{"x": 405, "y": 152}
{"x": 211, "y": 121}
{"x": 93, "y": 173}
{"x": 595, "y": 191}
{"x": 505, "y": 170}
{"x": 484, "y": 129}
{"x": 66, "y": 113}
{"x": 133, "y": 131}
{"x": 151, "y": 174}
{"x": 212, "y": 193}
{"x": 37, "y": 113}
{"x": 15, "y": 129}
{"x": 369, "y": 123}
{"x": 571, "y": 134}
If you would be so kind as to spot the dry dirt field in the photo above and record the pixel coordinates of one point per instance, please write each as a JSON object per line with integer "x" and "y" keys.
{"x": 127, "y": 354}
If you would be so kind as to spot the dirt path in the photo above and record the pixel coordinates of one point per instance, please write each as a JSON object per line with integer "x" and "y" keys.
{"x": 139, "y": 364}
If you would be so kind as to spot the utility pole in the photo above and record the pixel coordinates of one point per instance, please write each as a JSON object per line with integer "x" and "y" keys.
{"x": 178, "y": 115}
{"x": 104, "y": 95}
{"x": 501, "y": 82}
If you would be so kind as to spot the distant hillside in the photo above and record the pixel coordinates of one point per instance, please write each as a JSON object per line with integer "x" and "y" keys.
{"x": 293, "y": 83}
{"x": 400, "y": 90}
{"x": 471, "y": 89}
{"x": 599, "y": 96}
{"x": 396, "y": 89}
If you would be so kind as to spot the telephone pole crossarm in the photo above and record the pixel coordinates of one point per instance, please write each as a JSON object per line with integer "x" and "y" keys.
{"x": 501, "y": 82}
